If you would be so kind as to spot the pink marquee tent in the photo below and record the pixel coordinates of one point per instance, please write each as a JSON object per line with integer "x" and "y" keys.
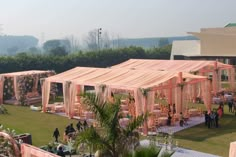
{"x": 142, "y": 83}
{"x": 15, "y": 77}
{"x": 197, "y": 67}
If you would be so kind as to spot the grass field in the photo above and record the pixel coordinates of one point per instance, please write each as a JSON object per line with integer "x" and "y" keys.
{"x": 200, "y": 138}
{"x": 215, "y": 140}
{"x": 39, "y": 125}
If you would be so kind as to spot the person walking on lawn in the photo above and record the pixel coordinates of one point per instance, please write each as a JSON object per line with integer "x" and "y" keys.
{"x": 56, "y": 134}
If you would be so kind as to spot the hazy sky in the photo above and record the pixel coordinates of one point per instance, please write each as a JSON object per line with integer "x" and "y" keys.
{"x": 126, "y": 18}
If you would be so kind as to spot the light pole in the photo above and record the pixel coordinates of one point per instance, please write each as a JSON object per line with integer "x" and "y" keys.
{"x": 99, "y": 37}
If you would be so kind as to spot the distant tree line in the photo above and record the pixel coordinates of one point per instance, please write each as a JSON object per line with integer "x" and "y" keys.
{"x": 60, "y": 63}
{"x": 11, "y": 45}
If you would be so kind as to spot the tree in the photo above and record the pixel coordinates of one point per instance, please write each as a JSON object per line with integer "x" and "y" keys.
{"x": 93, "y": 37}
{"x": 74, "y": 43}
{"x": 57, "y": 47}
{"x": 112, "y": 138}
{"x": 91, "y": 40}
{"x": 163, "y": 42}
{"x": 59, "y": 51}
{"x": 106, "y": 41}
{"x": 12, "y": 50}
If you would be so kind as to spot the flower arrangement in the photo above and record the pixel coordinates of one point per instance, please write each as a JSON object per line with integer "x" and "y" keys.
{"x": 8, "y": 90}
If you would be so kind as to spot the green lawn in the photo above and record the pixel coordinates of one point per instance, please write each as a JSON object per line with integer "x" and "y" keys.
{"x": 215, "y": 140}
{"x": 39, "y": 125}
{"x": 200, "y": 138}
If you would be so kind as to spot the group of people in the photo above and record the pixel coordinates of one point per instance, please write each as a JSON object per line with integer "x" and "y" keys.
{"x": 81, "y": 126}
{"x": 70, "y": 130}
{"x": 212, "y": 118}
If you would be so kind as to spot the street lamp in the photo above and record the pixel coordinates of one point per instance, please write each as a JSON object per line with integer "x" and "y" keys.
{"x": 99, "y": 37}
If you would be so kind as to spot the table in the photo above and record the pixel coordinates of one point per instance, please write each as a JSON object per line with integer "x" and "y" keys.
{"x": 193, "y": 112}
{"x": 162, "y": 120}
{"x": 157, "y": 113}
{"x": 59, "y": 108}
{"x": 88, "y": 115}
{"x": 216, "y": 100}
{"x": 156, "y": 106}
{"x": 50, "y": 107}
{"x": 123, "y": 101}
{"x": 124, "y": 107}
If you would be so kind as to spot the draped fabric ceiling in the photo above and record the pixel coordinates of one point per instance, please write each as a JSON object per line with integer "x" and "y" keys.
{"x": 15, "y": 76}
{"x": 199, "y": 67}
{"x": 113, "y": 79}
{"x": 171, "y": 65}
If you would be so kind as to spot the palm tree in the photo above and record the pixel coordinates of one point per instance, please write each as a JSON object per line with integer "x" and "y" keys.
{"x": 111, "y": 137}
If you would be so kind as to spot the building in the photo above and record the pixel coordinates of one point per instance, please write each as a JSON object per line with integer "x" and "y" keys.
{"x": 213, "y": 44}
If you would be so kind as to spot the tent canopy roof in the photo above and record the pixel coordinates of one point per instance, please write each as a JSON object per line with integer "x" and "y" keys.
{"x": 170, "y": 65}
{"x": 118, "y": 78}
{"x": 20, "y": 73}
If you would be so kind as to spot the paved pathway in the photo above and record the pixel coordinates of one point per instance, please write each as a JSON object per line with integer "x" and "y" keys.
{"x": 175, "y": 128}
{"x": 181, "y": 152}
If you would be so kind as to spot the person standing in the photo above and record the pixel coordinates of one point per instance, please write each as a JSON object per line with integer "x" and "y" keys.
{"x": 181, "y": 122}
{"x": 79, "y": 126}
{"x": 230, "y": 104}
{"x": 56, "y": 134}
{"x": 174, "y": 109}
{"x": 169, "y": 119}
{"x": 216, "y": 120}
{"x": 85, "y": 124}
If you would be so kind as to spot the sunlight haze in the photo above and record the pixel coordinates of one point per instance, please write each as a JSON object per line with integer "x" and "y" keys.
{"x": 125, "y": 18}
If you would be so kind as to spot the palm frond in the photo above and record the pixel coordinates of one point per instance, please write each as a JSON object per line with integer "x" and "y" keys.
{"x": 135, "y": 123}
{"x": 96, "y": 105}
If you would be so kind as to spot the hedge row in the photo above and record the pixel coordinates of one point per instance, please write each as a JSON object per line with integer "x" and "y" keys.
{"x": 103, "y": 58}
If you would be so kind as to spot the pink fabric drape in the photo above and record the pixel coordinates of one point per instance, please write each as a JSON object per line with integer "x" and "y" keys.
{"x": 46, "y": 86}
{"x": 66, "y": 96}
{"x": 215, "y": 81}
{"x": 206, "y": 94}
{"x": 178, "y": 99}
{"x": 219, "y": 80}
{"x": 232, "y": 79}
{"x": 16, "y": 88}
{"x": 167, "y": 65}
{"x": 150, "y": 105}
{"x": 139, "y": 102}
{"x": 72, "y": 97}
{"x": 1, "y": 89}
{"x": 32, "y": 151}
